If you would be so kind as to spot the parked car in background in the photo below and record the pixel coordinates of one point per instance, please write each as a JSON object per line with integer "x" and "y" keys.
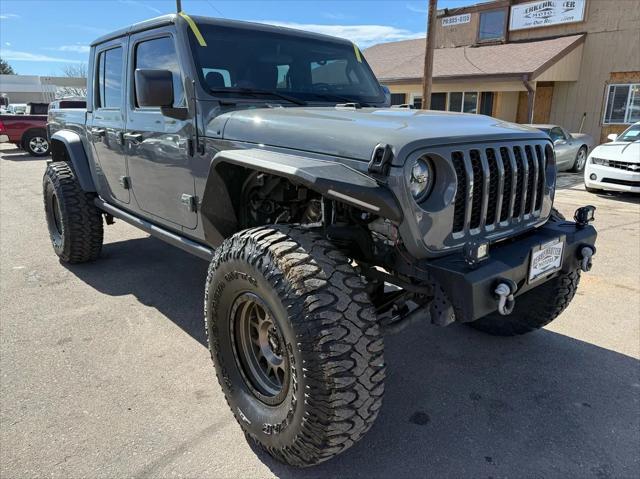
{"x": 25, "y": 131}
{"x": 571, "y": 148}
{"x": 16, "y": 109}
{"x": 615, "y": 165}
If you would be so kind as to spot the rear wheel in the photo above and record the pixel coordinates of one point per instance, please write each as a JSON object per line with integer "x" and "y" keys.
{"x": 36, "y": 143}
{"x": 74, "y": 222}
{"x": 295, "y": 343}
{"x": 580, "y": 161}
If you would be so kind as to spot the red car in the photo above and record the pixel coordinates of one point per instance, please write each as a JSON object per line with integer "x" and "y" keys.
{"x": 28, "y": 132}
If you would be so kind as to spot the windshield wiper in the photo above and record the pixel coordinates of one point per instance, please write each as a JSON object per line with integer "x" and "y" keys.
{"x": 331, "y": 96}
{"x": 255, "y": 92}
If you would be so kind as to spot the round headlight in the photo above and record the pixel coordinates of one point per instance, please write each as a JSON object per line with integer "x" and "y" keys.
{"x": 421, "y": 179}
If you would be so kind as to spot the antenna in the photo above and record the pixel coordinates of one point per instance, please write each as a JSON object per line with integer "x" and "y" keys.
{"x": 179, "y": 5}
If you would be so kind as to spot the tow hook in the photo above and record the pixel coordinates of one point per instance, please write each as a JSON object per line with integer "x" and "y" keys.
{"x": 504, "y": 293}
{"x": 586, "y": 253}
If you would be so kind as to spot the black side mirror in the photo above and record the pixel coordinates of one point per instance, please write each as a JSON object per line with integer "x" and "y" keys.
{"x": 154, "y": 88}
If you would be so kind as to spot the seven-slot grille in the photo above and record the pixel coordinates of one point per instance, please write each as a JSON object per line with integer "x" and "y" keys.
{"x": 498, "y": 186}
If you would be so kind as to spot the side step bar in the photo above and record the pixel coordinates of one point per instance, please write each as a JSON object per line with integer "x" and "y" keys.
{"x": 174, "y": 239}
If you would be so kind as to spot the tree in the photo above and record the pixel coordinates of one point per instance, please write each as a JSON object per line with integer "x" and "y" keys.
{"x": 5, "y": 68}
{"x": 75, "y": 70}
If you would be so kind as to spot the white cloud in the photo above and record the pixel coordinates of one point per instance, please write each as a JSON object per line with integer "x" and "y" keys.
{"x": 72, "y": 48}
{"x": 363, "y": 35}
{"x": 32, "y": 57}
{"x": 7, "y": 16}
{"x": 7, "y": 44}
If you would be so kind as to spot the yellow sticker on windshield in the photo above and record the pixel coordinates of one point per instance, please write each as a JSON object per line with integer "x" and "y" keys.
{"x": 358, "y": 54}
{"x": 194, "y": 29}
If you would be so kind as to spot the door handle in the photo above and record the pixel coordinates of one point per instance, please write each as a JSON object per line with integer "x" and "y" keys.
{"x": 98, "y": 131}
{"x": 133, "y": 137}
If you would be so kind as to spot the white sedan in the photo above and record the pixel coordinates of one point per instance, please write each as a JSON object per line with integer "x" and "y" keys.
{"x": 615, "y": 165}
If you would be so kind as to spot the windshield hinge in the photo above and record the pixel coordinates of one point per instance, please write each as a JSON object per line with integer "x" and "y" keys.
{"x": 381, "y": 159}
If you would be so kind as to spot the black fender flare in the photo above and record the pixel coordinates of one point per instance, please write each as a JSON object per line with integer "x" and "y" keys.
{"x": 331, "y": 179}
{"x": 71, "y": 143}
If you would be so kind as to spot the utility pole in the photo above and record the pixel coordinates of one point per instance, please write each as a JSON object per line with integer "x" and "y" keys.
{"x": 427, "y": 76}
{"x": 179, "y": 5}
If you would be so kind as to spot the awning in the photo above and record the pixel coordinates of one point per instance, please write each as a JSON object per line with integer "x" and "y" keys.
{"x": 538, "y": 60}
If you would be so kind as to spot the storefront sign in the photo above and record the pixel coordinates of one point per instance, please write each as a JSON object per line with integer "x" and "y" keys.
{"x": 545, "y": 13}
{"x": 456, "y": 20}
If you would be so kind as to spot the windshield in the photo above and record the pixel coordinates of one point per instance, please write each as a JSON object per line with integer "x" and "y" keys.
{"x": 237, "y": 60}
{"x": 631, "y": 134}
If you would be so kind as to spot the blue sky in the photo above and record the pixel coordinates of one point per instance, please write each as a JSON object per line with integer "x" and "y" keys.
{"x": 39, "y": 37}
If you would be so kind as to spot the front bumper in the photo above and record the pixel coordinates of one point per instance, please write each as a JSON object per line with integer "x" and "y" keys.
{"x": 613, "y": 179}
{"x": 471, "y": 290}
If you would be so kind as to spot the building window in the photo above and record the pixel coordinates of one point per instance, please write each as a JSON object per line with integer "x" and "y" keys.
{"x": 455, "y": 101}
{"x": 398, "y": 98}
{"x": 470, "y": 104}
{"x": 466, "y": 102}
{"x": 623, "y": 104}
{"x": 492, "y": 25}
{"x": 486, "y": 103}
{"x": 439, "y": 101}
{"x": 417, "y": 102}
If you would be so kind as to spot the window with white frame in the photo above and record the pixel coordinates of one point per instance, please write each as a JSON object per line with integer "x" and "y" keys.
{"x": 623, "y": 104}
{"x": 465, "y": 102}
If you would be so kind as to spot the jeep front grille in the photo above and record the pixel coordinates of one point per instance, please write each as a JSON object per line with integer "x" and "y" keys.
{"x": 498, "y": 186}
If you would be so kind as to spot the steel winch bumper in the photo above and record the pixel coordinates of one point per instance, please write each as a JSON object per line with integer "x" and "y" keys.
{"x": 494, "y": 284}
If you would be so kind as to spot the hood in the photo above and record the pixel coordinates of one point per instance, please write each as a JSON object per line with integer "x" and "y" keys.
{"x": 353, "y": 133}
{"x": 618, "y": 151}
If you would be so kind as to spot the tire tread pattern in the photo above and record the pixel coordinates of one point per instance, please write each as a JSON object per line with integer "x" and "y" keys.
{"x": 534, "y": 309}
{"x": 82, "y": 220}
{"x": 337, "y": 333}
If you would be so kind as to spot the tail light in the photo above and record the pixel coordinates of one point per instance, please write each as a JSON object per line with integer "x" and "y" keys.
{"x": 2, "y": 126}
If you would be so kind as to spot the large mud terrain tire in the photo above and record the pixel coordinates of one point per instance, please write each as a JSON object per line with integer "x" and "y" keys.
{"x": 295, "y": 343}
{"x": 74, "y": 222}
{"x": 534, "y": 309}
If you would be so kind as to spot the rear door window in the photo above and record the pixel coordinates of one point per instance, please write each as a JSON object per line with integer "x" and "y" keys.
{"x": 110, "y": 80}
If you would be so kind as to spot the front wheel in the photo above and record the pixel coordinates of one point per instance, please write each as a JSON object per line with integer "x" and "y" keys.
{"x": 295, "y": 343}
{"x": 534, "y": 309}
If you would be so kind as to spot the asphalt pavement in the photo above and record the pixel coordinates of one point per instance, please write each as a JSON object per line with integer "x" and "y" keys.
{"x": 104, "y": 370}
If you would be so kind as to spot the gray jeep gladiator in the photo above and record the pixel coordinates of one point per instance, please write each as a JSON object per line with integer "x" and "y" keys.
{"x": 328, "y": 218}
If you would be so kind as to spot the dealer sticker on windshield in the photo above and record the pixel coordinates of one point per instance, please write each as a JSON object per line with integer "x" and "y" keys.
{"x": 546, "y": 259}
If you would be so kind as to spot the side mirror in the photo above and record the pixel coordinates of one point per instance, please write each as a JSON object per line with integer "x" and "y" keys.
{"x": 387, "y": 96}
{"x": 612, "y": 137}
{"x": 154, "y": 88}
{"x": 559, "y": 141}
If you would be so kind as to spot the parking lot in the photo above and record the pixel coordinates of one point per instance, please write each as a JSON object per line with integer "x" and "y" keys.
{"x": 105, "y": 371}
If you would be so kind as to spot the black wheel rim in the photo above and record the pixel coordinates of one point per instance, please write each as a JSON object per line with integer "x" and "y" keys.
{"x": 54, "y": 216}
{"x": 259, "y": 349}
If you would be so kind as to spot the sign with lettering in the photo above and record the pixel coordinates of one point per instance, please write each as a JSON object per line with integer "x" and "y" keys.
{"x": 456, "y": 20}
{"x": 545, "y": 13}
